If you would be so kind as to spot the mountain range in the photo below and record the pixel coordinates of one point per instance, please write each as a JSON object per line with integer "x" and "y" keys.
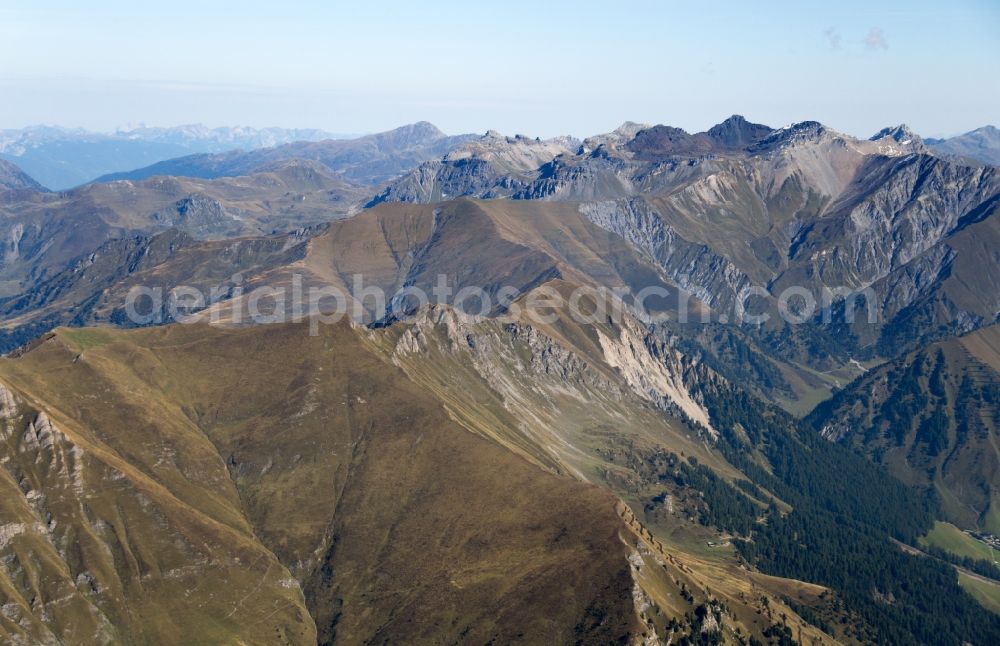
{"x": 906, "y": 237}
{"x": 419, "y": 472}
{"x": 62, "y": 158}
{"x": 370, "y": 159}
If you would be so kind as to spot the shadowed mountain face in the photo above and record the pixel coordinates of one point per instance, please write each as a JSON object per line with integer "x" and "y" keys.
{"x": 736, "y": 132}
{"x": 931, "y": 417}
{"x": 367, "y": 160}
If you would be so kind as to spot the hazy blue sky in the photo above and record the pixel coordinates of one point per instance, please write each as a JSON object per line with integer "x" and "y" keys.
{"x": 539, "y": 68}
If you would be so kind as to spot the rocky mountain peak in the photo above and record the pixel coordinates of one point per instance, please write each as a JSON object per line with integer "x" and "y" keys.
{"x": 420, "y": 133}
{"x": 801, "y": 130}
{"x": 519, "y": 153}
{"x": 617, "y": 137}
{"x": 423, "y": 128}
{"x": 898, "y": 140}
{"x": 669, "y": 141}
{"x": 794, "y": 133}
{"x": 733, "y": 134}
{"x": 900, "y": 133}
{"x": 630, "y": 128}
{"x": 737, "y": 132}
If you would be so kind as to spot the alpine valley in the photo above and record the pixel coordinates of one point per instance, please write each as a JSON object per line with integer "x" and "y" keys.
{"x": 720, "y": 464}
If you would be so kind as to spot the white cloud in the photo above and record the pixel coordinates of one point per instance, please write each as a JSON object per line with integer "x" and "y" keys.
{"x": 876, "y": 39}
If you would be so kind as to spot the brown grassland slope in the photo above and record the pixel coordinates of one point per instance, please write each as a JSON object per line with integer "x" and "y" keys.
{"x": 207, "y": 458}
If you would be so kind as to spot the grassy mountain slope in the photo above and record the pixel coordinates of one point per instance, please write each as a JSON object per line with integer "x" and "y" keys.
{"x": 433, "y": 500}
{"x": 594, "y": 401}
{"x": 118, "y": 511}
{"x": 330, "y": 462}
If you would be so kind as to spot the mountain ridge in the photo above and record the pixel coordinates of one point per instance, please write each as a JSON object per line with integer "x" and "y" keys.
{"x": 931, "y": 418}
{"x": 14, "y": 179}
{"x": 369, "y": 159}
{"x": 981, "y": 145}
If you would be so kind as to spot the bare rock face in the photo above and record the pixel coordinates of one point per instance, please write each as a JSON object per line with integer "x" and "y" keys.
{"x": 625, "y": 363}
{"x": 489, "y": 167}
{"x": 38, "y": 434}
{"x": 655, "y": 372}
{"x": 695, "y": 268}
{"x": 898, "y": 210}
{"x": 916, "y": 279}
{"x": 203, "y": 216}
{"x": 616, "y": 138}
{"x": 824, "y": 211}
{"x": 8, "y": 403}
